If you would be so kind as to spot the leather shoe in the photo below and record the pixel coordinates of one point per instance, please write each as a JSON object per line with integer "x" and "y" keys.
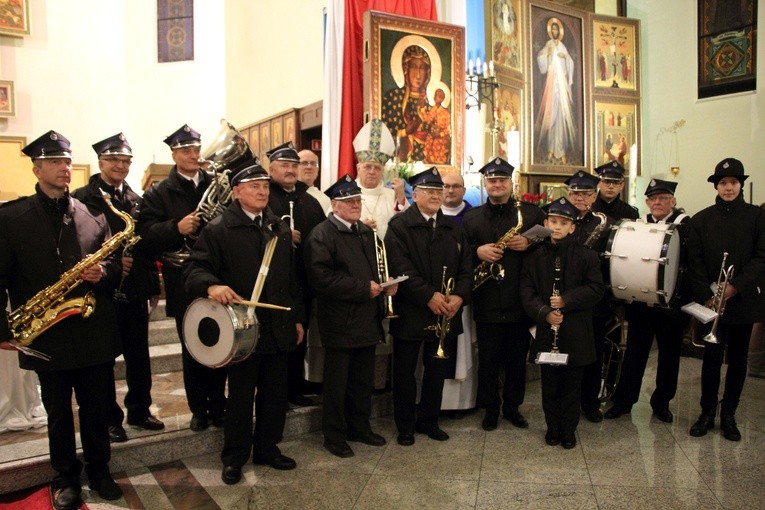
{"x": 435, "y": 433}
{"x": 405, "y": 439}
{"x": 148, "y": 423}
{"x": 369, "y": 438}
{"x": 117, "y": 434}
{"x": 217, "y": 418}
{"x": 702, "y": 425}
{"x": 231, "y": 474}
{"x": 301, "y": 401}
{"x": 489, "y": 422}
{"x": 199, "y": 422}
{"x": 616, "y": 411}
{"x": 664, "y": 415}
{"x": 552, "y": 438}
{"x": 568, "y": 442}
{"x": 729, "y": 428}
{"x": 517, "y": 419}
{"x": 594, "y": 416}
{"x": 280, "y": 461}
{"x": 66, "y": 498}
{"x": 107, "y": 488}
{"x": 341, "y": 449}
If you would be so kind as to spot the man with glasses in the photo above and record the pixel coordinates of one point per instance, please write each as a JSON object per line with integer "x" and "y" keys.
{"x": 308, "y": 171}
{"x": 666, "y": 324}
{"x": 166, "y": 220}
{"x": 611, "y": 186}
{"x": 139, "y": 282}
{"x": 455, "y": 204}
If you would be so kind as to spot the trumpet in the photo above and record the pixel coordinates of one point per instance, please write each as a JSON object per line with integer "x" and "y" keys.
{"x": 718, "y": 301}
{"x": 443, "y": 324}
{"x": 381, "y": 257}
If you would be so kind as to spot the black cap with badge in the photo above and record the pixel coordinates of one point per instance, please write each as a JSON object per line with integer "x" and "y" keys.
{"x": 728, "y": 167}
{"x": 184, "y": 137}
{"x": 51, "y": 145}
{"x": 657, "y": 186}
{"x": 116, "y": 145}
{"x": 497, "y": 168}
{"x": 345, "y": 188}
{"x": 427, "y": 179}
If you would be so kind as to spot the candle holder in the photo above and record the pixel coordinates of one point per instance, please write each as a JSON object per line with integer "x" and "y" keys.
{"x": 480, "y": 89}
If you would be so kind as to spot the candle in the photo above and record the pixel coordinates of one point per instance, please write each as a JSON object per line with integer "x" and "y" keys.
{"x": 485, "y": 70}
{"x": 478, "y": 65}
{"x": 470, "y": 67}
{"x": 491, "y": 68}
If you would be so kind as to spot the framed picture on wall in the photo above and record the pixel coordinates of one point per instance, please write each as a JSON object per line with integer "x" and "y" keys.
{"x": 255, "y": 141}
{"x": 14, "y": 18}
{"x": 559, "y": 98}
{"x": 617, "y": 128}
{"x": 504, "y": 17}
{"x": 290, "y": 135}
{"x": 276, "y": 132}
{"x": 414, "y": 81}
{"x": 265, "y": 139}
{"x": 80, "y": 176}
{"x": 7, "y": 99}
{"x": 616, "y": 55}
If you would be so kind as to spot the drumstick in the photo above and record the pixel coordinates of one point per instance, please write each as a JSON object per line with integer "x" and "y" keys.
{"x": 264, "y": 305}
{"x": 264, "y": 266}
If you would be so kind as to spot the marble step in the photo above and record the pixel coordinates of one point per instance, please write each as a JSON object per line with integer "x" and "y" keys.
{"x": 147, "y": 448}
{"x": 164, "y": 358}
{"x": 162, "y": 332}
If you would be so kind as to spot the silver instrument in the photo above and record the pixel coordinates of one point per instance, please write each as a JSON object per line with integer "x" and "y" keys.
{"x": 718, "y": 301}
{"x": 381, "y": 257}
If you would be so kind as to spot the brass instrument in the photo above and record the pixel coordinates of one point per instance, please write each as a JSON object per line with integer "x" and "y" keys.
{"x": 444, "y": 324}
{"x": 599, "y": 228}
{"x": 290, "y": 218}
{"x": 486, "y": 270}
{"x": 48, "y": 307}
{"x": 613, "y": 359}
{"x": 381, "y": 257}
{"x": 718, "y": 301}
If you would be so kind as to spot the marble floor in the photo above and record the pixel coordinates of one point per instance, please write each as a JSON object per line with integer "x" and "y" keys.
{"x": 633, "y": 462}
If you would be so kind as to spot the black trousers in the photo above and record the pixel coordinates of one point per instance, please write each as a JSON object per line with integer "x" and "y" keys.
{"x": 133, "y": 323}
{"x": 561, "y": 388}
{"x": 406, "y": 413}
{"x": 502, "y": 346}
{"x": 593, "y": 373}
{"x": 91, "y": 390}
{"x": 645, "y": 324}
{"x": 736, "y": 338}
{"x": 347, "y": 396}
{"x": 205, "y": 387}
{"x": 296, "y": 368}
{"x": 267, "y": 373}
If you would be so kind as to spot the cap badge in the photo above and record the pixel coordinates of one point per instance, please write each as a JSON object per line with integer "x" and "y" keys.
{"x": 186, "y": 128}
{"x": 652, "y": 183}
{"x": 496, "y": 161}
{"x": 53, "y": 136}
{"x": 726, "y": 164}
{"x": 562, "y": 201}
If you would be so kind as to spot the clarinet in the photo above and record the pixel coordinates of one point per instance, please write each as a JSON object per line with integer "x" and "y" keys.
{"x": 556, "y": 292}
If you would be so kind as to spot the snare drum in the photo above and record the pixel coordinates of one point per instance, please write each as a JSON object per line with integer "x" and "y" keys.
{"x": 217, "y": 334}
{"x": 644, "y": 261}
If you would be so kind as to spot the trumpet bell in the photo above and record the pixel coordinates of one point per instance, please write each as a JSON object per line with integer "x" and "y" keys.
{"x": 227, "y": 150}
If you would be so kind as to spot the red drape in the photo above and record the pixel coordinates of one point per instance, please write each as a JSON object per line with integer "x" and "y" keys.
{"x": 352, "y": 114}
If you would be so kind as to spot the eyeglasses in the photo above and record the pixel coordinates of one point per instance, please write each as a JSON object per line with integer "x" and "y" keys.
{"x": 119, "y": 161}
{"x": 309, "y": 163}
{"x": 658, "y": 198}
{"x": 453, "y": 186}
{"x": 610, "y": 183}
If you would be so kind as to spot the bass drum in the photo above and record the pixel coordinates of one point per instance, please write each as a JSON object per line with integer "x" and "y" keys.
{"x": 644, "y": 261}
{"x": 217, "y": 334}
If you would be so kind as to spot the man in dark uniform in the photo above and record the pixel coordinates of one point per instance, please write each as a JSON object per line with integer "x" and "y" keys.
{"x": 42, "y": 237}
{"x": 432, "y": 251}
{"x": 139, "y": 283}
{"x": 734, "y": 227}
{"x": 502, "y": 326}
{"x": 166, "y": 220}
{"x": 343, "y": 271}
{"x": 611, "y": 186}
{"x": 224, "y": 266}
{"x": 306, "y": 213}
{"x": 647, "y": 322}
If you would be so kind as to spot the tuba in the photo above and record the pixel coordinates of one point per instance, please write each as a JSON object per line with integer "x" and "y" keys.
{"x": 228, "y": 150}
{"x": 49, "y": 307}
{"x": 486, "y": 270}
{"x": 382, "y": 273}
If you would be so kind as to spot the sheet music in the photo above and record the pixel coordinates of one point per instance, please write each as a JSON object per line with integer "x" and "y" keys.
{"x": 395, "y": 280}
{"x": 537, "y": 233}
{"x": 700, "y": 312}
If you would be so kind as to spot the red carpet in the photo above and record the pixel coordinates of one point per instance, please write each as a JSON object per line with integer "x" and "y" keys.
{"x": 38, "y": 498}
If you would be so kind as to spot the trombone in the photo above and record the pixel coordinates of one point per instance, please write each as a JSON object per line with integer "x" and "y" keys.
{"x": 381, "y": 257}
{"x": 443, "y": 324}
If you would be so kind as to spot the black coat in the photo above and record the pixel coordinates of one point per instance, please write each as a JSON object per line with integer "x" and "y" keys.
{"x": 617, "y": 209}
{"x": 415, "y": 251}
{"x": 493, "y": 301}
{"x": 143, "y": 279}
{"x": 581, "y": 287}
{"x": 229, "y": 251}
{"x": 737, "y": 228}
{"x": 340, "y": 265}
{"x": 33, "y": 257}
{"x": 163, "y": 206}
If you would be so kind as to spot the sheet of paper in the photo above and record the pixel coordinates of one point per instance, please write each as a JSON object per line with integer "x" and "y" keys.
{"x": 700, "y": 312}
{"x": 395, "y": 280}
{"x": 537, "y": 233}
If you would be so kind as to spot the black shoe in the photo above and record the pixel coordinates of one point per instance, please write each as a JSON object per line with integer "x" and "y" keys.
{"x": 231, "y": 474}
{"x": 434, "y": 433}
{"x": 107, "y": 488}
{"x": 489, "y": 422}
{"x": 616, "y": 411}
{"x": 66, "y": 498}
{"x": 729, "y": 428}
{"x": 341, "y": 449}
{"x": 517, "y": 419}
{"x": 369, "y": 438}
{"x": 568, "y": 442}
{"x": 199, "y": 422}
{"x": 217, "y": 418}
{"x": 301, "y": 401}
{"x": 552, "y": 438}
{"x": 594, "y": 416}
{"x": 405, "y": 439}
{"x": 148, "y": 423}
{"x": 704, "y": 423}
{"x": 117, "y": 434}
{"x": 280, "y": 461}
{"x": 664, "y": 414}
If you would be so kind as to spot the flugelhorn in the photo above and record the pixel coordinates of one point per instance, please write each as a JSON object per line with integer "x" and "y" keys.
{"x": 718, "y": 301}
{"x": 381, "y": 257}
{"x": 444, "y": 323}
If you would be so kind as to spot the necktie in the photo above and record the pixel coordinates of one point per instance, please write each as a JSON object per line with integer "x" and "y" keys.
{"x": 258, "y": 221}
{"x": 431, "y": 223}
{"x": 355, "y": 229}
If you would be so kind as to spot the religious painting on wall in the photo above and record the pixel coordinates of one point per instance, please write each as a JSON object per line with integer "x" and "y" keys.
{"x": 414, "y": 75}
{"x": 558, "y": 89}
{"x": 14, "y": 18}
{"x": 255, "y": 141}
{"x": 265, "y": 140}
{"x": 617, "y": 128}
{"x": 616, "y": 55}
{"x": 727, "y": 47}
{"x": 510, "y": 116}
{"x": 505, "y": 16}
{"x": 7, "y": 99}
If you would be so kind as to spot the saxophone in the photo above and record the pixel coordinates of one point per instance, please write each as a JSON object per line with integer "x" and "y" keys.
{"x": 48, "y": 307}
{"x": 486, "y": 270}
